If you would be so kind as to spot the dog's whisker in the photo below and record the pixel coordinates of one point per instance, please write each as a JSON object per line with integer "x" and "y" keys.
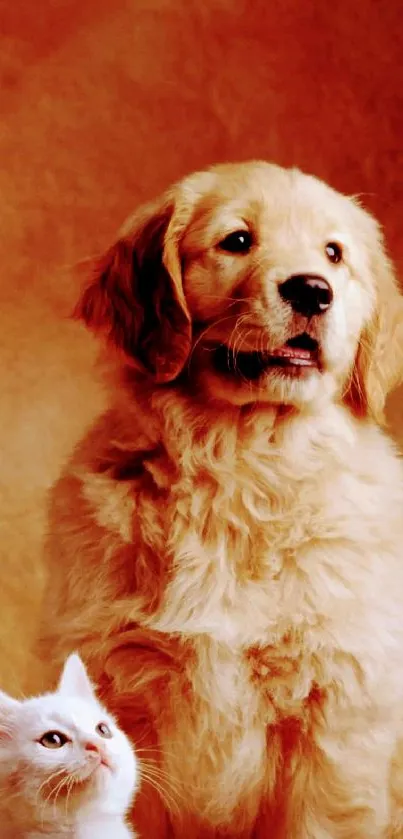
{"x": 242, "y": 338}
{"x": 229, "y": 300}
{"x": 205, "y": 332}
{"x": 236, "y": 333}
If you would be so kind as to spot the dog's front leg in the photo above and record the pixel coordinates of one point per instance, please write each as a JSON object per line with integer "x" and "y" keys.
{"x": 335, "y": 785}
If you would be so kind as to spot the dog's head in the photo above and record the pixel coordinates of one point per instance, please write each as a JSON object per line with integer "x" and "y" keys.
{"x": 259, "y": 283}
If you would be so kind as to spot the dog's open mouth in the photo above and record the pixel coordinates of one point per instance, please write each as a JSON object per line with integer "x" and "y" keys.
{"x": 296, "y": 356}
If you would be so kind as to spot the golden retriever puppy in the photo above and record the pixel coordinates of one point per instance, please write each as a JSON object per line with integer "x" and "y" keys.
{"x": 226, "y": 545}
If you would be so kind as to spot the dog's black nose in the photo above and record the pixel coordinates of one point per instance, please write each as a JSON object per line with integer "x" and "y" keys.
{"x": 307, "y": 294}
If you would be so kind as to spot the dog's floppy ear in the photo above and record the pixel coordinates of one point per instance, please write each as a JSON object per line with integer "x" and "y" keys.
{"x": 136, "y": 297}
{"x": 378, "y": 368}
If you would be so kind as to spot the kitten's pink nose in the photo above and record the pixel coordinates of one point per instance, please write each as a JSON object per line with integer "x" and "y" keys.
{"x": 96, "y": 750}
{"x": 90, "y": 746}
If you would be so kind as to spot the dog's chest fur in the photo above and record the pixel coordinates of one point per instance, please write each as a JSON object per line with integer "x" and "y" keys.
{"x": 268, "y": 530}
{"x": 282, "y": 546}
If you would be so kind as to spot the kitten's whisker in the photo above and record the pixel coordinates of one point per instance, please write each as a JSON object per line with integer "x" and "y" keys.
{"x": 163, "y": 776}
{"x": 160, "y": 751}
{"x": 156, "y": 751}
{"x": 167, "y": 797}
{"x": 50, "y": 779}
{"x": 136, "y": 744}
{"x": 44, "y": 801}
{"x": 171, "y": 787}
{"x": 70, "y": 785}
{"x": 57, "y": 792}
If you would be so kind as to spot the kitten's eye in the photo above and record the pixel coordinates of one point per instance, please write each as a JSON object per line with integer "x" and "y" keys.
{"x": 334, "y": 252}
{"x": 103, "y": 729}
{"x": 53, "y": 740}
{"x": 240, "y": 241}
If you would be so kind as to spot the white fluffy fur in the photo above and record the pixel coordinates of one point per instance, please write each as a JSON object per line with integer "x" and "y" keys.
{"x": 242, "y": 541}
{"x": 67, "y": 791}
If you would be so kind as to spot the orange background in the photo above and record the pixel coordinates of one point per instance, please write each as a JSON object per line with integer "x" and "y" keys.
{"x": 103, "y": 104}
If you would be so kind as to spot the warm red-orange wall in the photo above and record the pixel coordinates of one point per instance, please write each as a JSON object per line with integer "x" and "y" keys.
{"x": 103, "y": 103}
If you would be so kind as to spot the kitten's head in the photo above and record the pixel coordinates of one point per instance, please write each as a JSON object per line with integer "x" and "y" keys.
{"x": 63, "y": 750}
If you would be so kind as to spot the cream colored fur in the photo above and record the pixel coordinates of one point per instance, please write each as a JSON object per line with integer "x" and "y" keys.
{"x": 226, "y": 555}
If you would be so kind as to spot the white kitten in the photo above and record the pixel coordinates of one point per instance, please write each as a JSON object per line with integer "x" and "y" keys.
{"x": 66, "y": 769}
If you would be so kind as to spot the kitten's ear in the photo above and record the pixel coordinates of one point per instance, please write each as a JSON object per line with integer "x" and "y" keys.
{"x": 74, "y": 680}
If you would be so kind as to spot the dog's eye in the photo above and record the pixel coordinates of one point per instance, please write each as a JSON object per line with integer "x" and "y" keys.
{"x": 53, "y": 740}
{"x": 334, "y": 252}
{"x": 240, "y": 241}
{"x": 103, "y": 729}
